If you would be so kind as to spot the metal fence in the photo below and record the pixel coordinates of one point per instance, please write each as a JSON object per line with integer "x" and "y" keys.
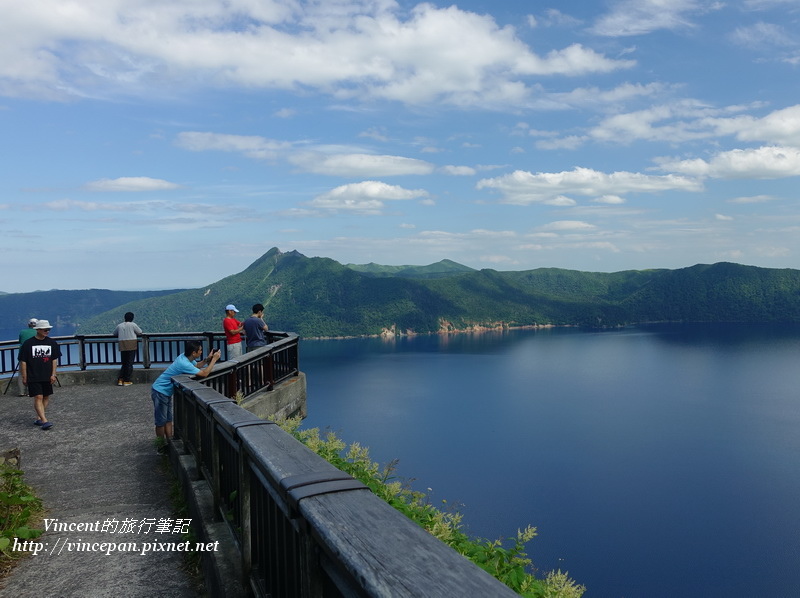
{"x": 253, "y": 371}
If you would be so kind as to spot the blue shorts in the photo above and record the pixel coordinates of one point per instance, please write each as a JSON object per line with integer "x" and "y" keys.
{"x": 162, "y": 408}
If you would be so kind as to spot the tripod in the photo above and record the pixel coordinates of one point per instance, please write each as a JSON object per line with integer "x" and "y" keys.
{"x": 11, "y": 379}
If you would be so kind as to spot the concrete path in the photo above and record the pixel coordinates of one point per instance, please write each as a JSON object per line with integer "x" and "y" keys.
{"x": 97, "y": 463}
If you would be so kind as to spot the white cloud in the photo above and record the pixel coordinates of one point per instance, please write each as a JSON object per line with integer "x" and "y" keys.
{"x": 639, "y": 17}
{"x": 149, "y": 207}
{"x": 368, "y": 49}
{"x": 677, "y": 122}
{"x": 768, "y": 162}
{"x": 593, "y": 96}
{"x": 522, "y": 187}
{"x": 685, "y": 120}
{"x": 766, "y": 4}
{"x": 359, "y": 165}
{"x": 570, "y": 142}
{"x": 753, "y": 199}
{"x": 140, "y": 183}
{"x": 568, "y": 225}
{"x": 779, "y": 126}
{"x": 368, "y": 197}
{"x": 329, "y": 160}
{"x": 458, "y": 170}
{"x": 609, "y": 199}
{"x": 252, "y": 146}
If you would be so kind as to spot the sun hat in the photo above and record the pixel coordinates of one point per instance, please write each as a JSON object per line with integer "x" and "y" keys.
{"x": 41, "y": 324}
{"x": 231, "y": 307}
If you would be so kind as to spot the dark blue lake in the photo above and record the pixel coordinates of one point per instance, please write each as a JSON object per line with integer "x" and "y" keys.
{"x": 656, "y": 461}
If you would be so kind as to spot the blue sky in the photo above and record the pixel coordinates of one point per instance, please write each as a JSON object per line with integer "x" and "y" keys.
{"x": 152, "y": 144}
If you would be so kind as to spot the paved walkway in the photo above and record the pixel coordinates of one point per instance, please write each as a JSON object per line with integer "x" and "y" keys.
{"x": 97, "y": 463}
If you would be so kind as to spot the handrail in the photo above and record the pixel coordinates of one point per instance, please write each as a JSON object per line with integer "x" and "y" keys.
{"x": 254, "y": 371}
{"x": 303, "y": 528}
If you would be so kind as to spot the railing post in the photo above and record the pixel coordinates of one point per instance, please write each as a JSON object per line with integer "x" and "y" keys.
{"x": 81, "y": 350}
{"x": 146, "y": 359}
{"x": 271, "y": 369}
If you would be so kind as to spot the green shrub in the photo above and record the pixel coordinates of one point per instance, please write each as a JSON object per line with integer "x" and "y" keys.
{"x": 18, "y": 506}
{"x": 510, "y": 564}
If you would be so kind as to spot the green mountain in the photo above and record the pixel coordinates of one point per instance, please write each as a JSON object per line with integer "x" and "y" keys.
{"x": 64, "y": 308}
{"x": 321, "y": 297}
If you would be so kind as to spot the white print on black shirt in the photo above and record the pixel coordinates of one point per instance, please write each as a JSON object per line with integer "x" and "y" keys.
{"x": 42, "y": 352}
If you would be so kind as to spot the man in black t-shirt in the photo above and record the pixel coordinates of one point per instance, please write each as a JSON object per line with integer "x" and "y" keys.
{"x": 38, "y": 360}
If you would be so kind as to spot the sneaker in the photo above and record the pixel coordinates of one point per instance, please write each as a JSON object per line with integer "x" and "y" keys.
{"x": 119, "y": 382}
{"x": 47, "y": 425}
{"x": 127, "y": 383}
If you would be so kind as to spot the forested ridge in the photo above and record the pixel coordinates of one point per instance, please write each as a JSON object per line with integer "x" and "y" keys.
{"x": 319, "y": 297}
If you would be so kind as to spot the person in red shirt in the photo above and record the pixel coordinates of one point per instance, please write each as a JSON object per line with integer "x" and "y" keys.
{"x": 233, "y": 332}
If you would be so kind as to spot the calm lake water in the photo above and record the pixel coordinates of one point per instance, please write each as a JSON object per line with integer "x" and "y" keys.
{"x": 656, "y": 461}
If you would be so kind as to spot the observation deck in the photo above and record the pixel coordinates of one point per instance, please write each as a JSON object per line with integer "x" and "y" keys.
{"x": 268, "y": 516}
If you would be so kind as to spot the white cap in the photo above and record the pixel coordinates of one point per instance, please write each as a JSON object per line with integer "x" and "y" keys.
{"x": 231, "y": 307}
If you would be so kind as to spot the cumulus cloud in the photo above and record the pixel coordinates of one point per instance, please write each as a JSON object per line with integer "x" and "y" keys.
{"x": 522, "y": 187}
{"x": 768, "y": 162}
{"x": 779, "y": 126}
{"x": 140, "y": 183}
{"x": 368, "y": 197}
{"x": 359, "y": 49}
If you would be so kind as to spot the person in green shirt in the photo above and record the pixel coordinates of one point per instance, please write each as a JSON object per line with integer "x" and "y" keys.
{"x": 24, "y": 335}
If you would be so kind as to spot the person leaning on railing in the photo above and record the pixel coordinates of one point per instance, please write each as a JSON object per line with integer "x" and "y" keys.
{"x": 188, "y": 363}
{"x": 127, "y": 332}
{"x": 255, "y": 329}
